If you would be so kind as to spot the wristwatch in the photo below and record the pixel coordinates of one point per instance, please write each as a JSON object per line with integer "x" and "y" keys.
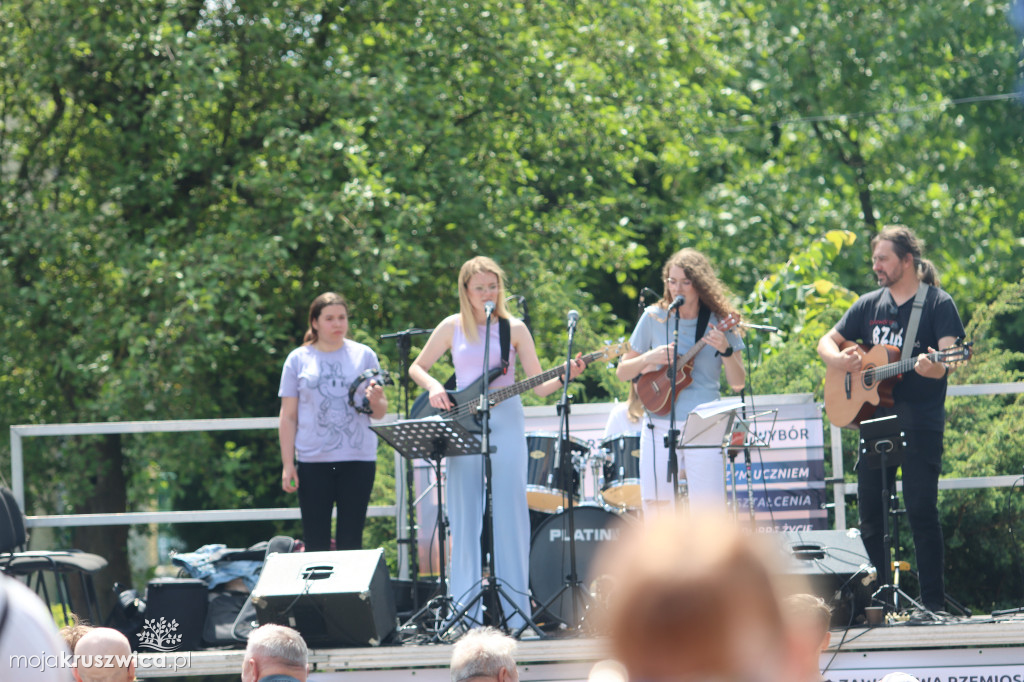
{"x": 728, "y": 351}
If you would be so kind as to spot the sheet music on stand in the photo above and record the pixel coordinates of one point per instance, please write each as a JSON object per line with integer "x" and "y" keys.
{"x": 709, "y": 424}
{"x": 715, "y": 425}
{"x": 429, "y": 438}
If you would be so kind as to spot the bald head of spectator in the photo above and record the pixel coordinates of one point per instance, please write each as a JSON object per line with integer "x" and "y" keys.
{"x": 104, "y": 655}
{"x": 694, "y": 599}
{"x": 275, "y": 650}
{"x": 484, "y": 655}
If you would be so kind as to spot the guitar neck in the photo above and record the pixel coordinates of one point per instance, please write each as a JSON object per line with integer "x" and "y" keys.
{"x": 685, "y": 358}
{"x": 525, "y": 385}
{"x": 901, "y": 366}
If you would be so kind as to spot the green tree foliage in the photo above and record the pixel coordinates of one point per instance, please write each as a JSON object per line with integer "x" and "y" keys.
{"x": 179, "y": 179}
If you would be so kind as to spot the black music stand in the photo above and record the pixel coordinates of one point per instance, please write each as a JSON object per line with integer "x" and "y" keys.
{"x": 403, "y": 340}
{"x": 432, "y": 439}
{"x": 882, "y": 442}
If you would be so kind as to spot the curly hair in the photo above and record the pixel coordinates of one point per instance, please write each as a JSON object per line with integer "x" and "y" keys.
{"x": 698, "y": 270}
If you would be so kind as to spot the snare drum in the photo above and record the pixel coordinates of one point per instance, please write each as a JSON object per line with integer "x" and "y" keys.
{"x": 621, "y": 484}
{"x": 548, "y": 490}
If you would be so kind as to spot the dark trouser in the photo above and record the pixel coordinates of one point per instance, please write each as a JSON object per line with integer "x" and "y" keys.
{"x": 324, "y": 484}
{"x": 922, "y": 463}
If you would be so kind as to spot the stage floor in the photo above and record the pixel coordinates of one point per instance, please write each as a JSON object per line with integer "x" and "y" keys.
{"x": 964, "y": 649}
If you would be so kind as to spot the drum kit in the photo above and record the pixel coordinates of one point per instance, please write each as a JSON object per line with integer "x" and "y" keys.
{"x": 605, "y": 489}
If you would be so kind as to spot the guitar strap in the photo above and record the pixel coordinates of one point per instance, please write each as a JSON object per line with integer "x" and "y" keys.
{"x": 703, "y": 316}
{"x": 504, "y": 339}
{"x": 915, "y": 321}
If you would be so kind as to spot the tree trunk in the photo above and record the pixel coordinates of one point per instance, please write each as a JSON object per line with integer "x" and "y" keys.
{"x": 109, "y": 495}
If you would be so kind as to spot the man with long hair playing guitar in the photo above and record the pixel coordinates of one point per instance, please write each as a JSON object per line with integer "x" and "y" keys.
{"x": 883, "y": 317}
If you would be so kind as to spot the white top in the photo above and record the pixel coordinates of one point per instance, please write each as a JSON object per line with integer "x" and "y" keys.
{"x": 329, "y": 430}
{"x": 619, "y": 422}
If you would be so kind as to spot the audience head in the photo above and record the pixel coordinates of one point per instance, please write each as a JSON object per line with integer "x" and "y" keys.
{"x": 275, "y": 650}
{"x": 807, "y": 620}
{"x": 104, "y": 655}
{"x": 483, "y": 655}
{"x": 693, "y": 600}
{"x": 608, "y": 671}
{"x": 74, "y": 632}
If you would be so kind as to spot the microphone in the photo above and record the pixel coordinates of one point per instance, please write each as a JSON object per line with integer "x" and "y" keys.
{"x": 488, "y": 308}
{"x": 573, "y": 318}
{"x": 680, "y": 300}
{"x": 521, "y": 300}
{"x": 647, "y": 291}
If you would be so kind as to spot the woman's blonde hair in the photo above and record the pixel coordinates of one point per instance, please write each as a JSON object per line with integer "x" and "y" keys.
{"x": 634, "y": 408}
{"x": 475, "y": 266}
{"x": 698, "y": 270}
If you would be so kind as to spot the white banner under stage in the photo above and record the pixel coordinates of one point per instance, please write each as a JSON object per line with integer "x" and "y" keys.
{"x": 942, "y": 665}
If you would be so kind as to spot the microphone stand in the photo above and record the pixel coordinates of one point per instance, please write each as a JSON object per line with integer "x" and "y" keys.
{"x": 492, "y": 588}
{"x": 672, "y": 437}
{"x": 563, "y": 464}
{"x": 403, "y": 340}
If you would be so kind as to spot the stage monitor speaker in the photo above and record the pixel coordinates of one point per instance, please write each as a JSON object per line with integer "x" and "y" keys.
{"x": 175, "y": 615}
{"x": 834, "y": 565}
{"x": 333, "y": 599}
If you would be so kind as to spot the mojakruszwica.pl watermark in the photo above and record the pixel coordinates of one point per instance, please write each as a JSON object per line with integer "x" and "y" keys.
{"x": 174, "y": 661}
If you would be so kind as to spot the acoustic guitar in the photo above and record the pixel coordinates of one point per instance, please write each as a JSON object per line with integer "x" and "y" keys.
{"x": 655, "y": 388}
{"x": 852, "y": 397}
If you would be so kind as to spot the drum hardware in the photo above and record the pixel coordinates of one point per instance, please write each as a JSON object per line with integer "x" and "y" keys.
{"x": 547, "y": 487}
{"x": 620, "y": 470}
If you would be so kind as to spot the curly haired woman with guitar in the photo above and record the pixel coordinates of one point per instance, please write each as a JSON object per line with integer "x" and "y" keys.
{"x": 706, "y": 345}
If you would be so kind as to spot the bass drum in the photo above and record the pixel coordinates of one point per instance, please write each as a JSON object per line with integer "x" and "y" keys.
{"x": 550, "y": 564}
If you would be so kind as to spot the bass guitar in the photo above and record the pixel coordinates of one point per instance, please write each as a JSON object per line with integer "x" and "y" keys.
{"x": 852, "y": 397}
{"x": 655, "y": 388}
{"x": 465, "y": 402}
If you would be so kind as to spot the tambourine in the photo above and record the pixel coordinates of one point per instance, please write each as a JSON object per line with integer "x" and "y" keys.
{"x": 383, "y": 378}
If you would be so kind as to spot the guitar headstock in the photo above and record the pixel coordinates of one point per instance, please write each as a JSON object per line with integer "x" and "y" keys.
{"x": 609, "y": 352}
{"x": 957, "y": 354}
{"x": 728, "y": 322}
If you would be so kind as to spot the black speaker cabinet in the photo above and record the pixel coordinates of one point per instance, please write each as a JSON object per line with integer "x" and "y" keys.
{"x": 175, "y": 615}
{"x": 332, "y": 598}
{"x": 835, "y": 566}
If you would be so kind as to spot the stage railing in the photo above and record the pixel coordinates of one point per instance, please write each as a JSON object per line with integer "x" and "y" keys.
{"x": 841, "y": 489}
{"x": 131, "y": 518}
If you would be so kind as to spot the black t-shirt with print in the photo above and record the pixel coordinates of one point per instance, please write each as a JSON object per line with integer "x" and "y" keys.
{"x": 875, "y": 318}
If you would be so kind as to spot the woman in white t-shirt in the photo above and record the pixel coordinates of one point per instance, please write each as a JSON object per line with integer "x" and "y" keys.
{"x": 328, "y": 435}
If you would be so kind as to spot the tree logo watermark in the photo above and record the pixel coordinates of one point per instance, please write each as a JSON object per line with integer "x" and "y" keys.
{"x": 160, "y": 635}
